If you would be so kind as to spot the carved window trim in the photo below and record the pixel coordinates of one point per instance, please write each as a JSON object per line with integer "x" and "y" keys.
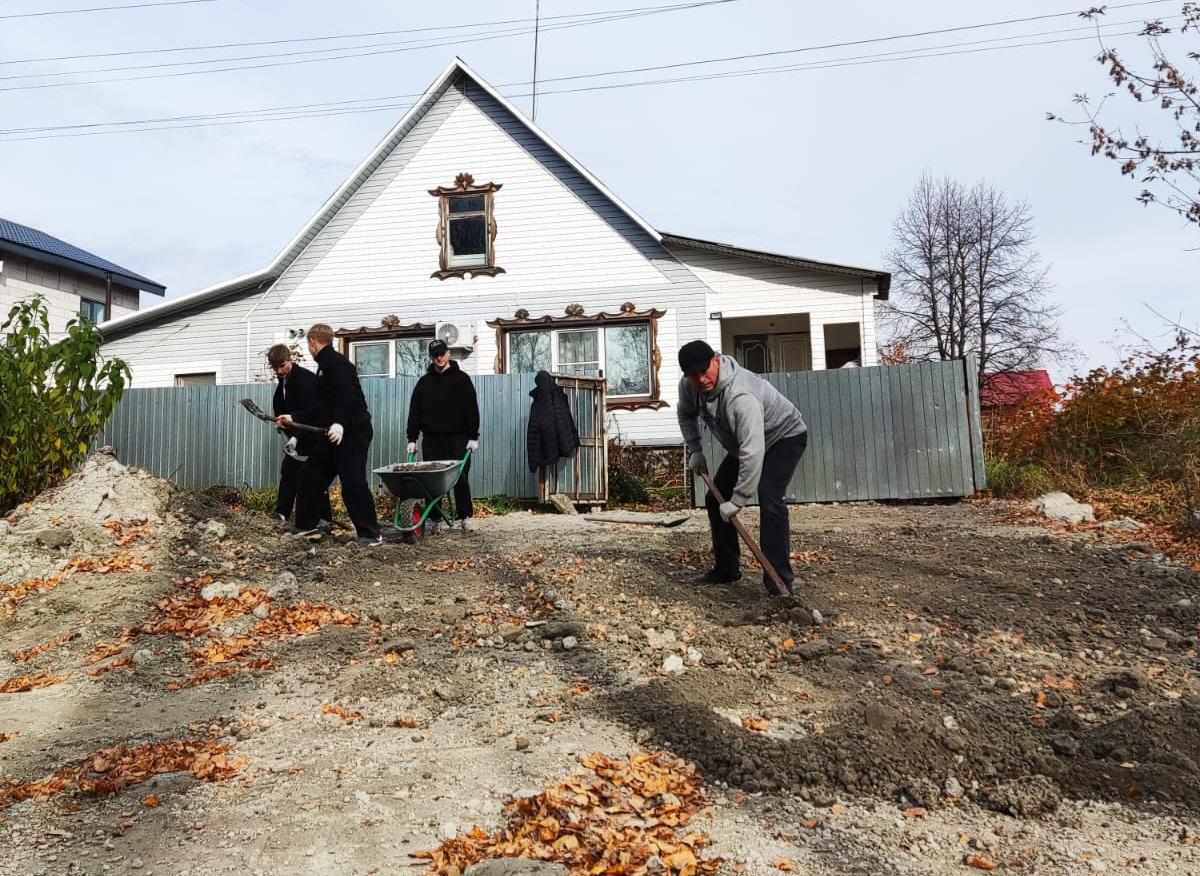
{"x": 464, "y": 186}
{"x": 389, "y": 329}
{"x": 575, "y": 317}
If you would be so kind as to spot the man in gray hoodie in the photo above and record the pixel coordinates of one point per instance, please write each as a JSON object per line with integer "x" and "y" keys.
{"x": 763, "y": 435}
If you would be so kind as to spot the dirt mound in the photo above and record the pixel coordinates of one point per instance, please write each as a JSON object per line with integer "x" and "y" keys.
{"x": 86, "y": 516}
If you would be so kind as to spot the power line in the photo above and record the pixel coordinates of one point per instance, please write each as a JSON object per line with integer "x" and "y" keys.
{"x": 405, "y": 47}
{"x": 567, "y": 78}
{"x": 106, "y": 8}
{"x": 287, "y": 113}
{"x": 349, "y": 36}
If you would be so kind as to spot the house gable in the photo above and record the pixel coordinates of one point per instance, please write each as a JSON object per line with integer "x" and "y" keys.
{"x": 555, "y": 229}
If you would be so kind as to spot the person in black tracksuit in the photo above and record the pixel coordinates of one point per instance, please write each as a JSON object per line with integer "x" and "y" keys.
{"x": 445, "y": 410}
{"x": 295, "y": 390}
{"x": 339, "y": 405}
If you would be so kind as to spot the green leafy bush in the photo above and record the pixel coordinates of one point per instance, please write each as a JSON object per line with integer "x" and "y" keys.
{"x": 56, "y": 397}
{"x": 1017, "y": 480}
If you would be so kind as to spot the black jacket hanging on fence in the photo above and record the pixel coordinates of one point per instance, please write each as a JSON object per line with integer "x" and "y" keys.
{"x": 552, "y": 434}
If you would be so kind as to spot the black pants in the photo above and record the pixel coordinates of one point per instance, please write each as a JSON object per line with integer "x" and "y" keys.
{"x": 348, "y": 463}
{"x": 452, "y": 445}
{"x": 289, "y": 488}
{"x": 778, "y": 465}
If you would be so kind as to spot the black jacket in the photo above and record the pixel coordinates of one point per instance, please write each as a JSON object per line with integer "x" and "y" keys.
{"x": 444, "y": 403}
{"x": 338, "y": 397}
{"x": 296, "y": 392}
{"x": 552, "y": 433}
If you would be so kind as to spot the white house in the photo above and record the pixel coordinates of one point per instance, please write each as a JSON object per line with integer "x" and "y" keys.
{"x": 72, "y": 281}
{"x": 469, "y": 222}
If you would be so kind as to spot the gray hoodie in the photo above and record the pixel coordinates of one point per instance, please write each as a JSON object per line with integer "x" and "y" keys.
{"x": 747, "y": 416}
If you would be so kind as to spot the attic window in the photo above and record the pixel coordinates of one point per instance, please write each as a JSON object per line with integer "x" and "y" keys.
{"x": 466, "y": 230}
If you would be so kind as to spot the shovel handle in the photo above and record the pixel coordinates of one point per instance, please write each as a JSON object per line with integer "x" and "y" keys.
{"x": 780, "y": 587}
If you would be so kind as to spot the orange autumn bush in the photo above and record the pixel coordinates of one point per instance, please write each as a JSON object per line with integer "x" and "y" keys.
{"x": 1125, "y": 437}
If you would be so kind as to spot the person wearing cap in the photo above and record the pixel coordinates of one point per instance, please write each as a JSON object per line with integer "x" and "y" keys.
{"x": 444, "y": 413}
{"x": 340, "y": 406}
{"x": 763, "y": 435}
{"x": 295, "y": 390}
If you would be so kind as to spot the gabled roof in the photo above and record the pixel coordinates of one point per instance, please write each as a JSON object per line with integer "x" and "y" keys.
{"x": 251, "y": 282}
{"x": 347, "y": 189}
{"x": 40, "y": 246}
{"x": 882, "y": 279}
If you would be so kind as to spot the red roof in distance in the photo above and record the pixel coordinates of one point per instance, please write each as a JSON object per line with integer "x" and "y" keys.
{"x": 1006, "y": 388}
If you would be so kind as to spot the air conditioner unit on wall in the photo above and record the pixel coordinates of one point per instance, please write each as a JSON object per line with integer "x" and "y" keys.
{"x": 458, "y": 336}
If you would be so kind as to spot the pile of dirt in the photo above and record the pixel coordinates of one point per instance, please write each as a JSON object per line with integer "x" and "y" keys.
{"x": 84, "y": 514}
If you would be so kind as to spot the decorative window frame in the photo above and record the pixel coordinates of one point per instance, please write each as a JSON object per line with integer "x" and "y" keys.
{"x": 464, "y": 184}
{"x": 389, "y": 329}
{"x": 575, "y": 317}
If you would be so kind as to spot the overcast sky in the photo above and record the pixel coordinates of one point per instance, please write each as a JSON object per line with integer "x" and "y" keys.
{"x": 812, "y": 162}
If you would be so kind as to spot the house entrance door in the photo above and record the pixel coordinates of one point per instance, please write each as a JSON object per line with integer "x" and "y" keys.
{"x": 793, "y": 353}
{"x": 753, "y": 352}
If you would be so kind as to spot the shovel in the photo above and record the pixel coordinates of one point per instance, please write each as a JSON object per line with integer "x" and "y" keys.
{"x": 781, "y": 589}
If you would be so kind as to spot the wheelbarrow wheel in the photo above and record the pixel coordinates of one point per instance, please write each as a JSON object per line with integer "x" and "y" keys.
{"x": 409, "y": 513}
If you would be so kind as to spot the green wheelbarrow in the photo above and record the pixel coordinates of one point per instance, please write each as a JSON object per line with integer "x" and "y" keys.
{"x": 421, "y": 487}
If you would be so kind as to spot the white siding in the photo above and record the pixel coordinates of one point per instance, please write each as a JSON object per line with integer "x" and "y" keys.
{"x": 547, "y": 236}
{"x": 746, "y": 288}
{"x": 23, "y": 278}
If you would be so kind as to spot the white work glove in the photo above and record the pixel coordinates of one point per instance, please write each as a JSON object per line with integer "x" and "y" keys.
{"x": 697, "y": 464}
{"x": 472, "y": 445}
{"x": 284, "y": 420}
{"x": 728, "y": 509}
{"x": 335, "y": 433}
{"x": 290, "y": 444}
{"x": 411, "y": 449}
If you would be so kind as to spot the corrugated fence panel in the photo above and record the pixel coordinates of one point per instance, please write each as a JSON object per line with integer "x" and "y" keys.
{"x": 201, "y": 435}
{"x": 893, "y": 432}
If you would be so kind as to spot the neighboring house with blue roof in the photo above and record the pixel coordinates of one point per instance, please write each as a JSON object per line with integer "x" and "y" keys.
{"x": 73, "y": 281}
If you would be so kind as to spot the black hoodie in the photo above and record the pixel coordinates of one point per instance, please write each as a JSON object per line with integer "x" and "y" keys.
{"x": 444, "y": 403}
{"x": 552, "y": 433}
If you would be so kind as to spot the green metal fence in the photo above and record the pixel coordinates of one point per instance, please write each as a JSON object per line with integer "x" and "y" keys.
{"x": 893, "y": 432}
{"x": 199, "y": 436}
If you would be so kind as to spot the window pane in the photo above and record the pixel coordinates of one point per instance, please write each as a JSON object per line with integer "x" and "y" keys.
{"x": 93, "y": 310}
{"x": 468, "y": 237}
{"x": 467, "y": 204}
{"x": 371, "y": 359}
{"x": 627, "y": 359}
{"x": 579, "y": 352}
{"x": 411, "y": 356}
{"x": 528, "y": 352}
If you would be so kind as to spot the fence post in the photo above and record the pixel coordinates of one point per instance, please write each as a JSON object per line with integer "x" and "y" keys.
{"x": 974, "y": 420}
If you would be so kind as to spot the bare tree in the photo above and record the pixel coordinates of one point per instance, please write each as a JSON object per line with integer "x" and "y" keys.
{"x": 968, "y": 280}
{"x": 1166, "y": 163}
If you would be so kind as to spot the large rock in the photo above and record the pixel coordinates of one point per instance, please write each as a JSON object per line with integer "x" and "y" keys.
{"x": 1061, "y": 507}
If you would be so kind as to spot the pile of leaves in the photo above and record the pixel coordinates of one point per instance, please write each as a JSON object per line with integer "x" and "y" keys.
{"x": 12, "y": 595}
{"x": 112, "y": 769}
{"x": 283, "y": 622}
{"x": 630, "y": 811}
{"x": 1126, "y": 438}
{"x": 27, "y": 654}
{"x": 188, "y": 616}
{"x": 25, "y": 683}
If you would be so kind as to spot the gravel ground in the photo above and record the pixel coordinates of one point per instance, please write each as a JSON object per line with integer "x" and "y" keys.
{"x": 980, "y": 694}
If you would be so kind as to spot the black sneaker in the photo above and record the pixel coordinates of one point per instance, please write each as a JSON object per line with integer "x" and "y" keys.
{"x": 712, "y": 576}
{"x": 368, "y": 540}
